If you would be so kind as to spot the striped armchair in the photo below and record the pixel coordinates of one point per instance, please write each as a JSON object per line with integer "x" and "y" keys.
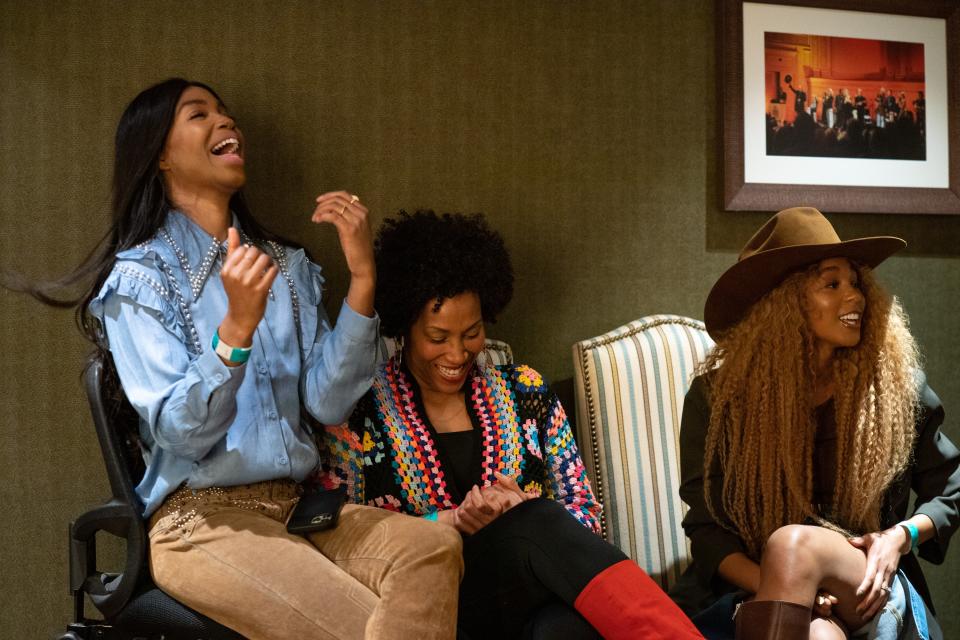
{"x": 630, "y": 384}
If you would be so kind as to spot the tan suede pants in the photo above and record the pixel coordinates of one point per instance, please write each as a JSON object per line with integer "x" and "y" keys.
{"x": 226, "y": 553}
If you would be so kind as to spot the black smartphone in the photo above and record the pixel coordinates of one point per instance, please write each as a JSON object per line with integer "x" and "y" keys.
{"x": 317, "y": 510}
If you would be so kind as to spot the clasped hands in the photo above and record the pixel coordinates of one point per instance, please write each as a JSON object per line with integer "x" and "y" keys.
{"x": 481, "y": 506}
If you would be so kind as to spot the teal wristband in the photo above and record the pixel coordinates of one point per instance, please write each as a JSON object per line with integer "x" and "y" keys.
{"x": 913, "y": 532}
{"x": 231, "y": 354}
{"x": 432, "y": 516}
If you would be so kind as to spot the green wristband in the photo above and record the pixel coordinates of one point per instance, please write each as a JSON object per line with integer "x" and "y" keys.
{"x": 913, "y": 532}
{"x": 229, "y": 353}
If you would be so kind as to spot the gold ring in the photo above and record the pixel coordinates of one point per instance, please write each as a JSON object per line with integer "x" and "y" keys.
{"x": 342, "y": 210}
{"x": 354, "y": 198}
{"x": 884, "y": 588}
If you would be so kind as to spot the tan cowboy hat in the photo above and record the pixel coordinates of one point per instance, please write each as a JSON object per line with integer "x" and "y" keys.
{"x": 790, "y": 240}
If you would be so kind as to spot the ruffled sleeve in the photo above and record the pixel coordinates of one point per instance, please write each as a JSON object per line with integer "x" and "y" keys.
{"x": 186, "y": 401}
{"x": 308, "y": 279}
{"x": 137, "y": 277}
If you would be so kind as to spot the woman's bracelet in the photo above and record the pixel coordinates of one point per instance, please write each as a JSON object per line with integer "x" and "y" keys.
{"x": 913, "y": 532}
{"x": 228, "y": 352}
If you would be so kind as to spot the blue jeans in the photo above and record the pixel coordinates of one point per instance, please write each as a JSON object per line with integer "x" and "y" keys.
{"x": 903, "y": 617}
{"x": 887, "y": 624}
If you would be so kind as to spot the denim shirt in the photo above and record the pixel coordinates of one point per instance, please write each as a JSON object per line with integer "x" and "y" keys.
{"x": 201, "y": 422}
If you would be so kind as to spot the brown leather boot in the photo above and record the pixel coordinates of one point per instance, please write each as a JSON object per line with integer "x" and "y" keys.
{"x": 772, "y": 620}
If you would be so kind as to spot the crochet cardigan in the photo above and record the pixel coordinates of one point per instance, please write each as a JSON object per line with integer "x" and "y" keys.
{"x": 387, "y": 456}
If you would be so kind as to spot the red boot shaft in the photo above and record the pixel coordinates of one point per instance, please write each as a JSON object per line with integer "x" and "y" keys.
{"x": 622, "y": 602}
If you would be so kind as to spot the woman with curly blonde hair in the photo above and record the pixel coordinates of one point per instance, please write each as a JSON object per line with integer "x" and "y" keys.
{"x": 801, "y": 439}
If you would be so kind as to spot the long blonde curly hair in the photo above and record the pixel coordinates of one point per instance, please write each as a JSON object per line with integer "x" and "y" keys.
{"x": 761, "y": 380}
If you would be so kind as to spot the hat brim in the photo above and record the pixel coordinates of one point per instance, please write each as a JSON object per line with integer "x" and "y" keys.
{"x": 750, "y": 279}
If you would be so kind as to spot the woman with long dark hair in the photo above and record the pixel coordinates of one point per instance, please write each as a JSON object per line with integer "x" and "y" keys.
{"x": 219, "y": 339}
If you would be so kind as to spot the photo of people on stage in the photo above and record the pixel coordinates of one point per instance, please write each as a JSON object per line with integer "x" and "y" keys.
{"x": 836, "y": 97}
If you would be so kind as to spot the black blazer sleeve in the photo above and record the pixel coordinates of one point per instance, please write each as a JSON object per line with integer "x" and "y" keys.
{"x": 710, "y": 542}
{"x": 935, "y": 476}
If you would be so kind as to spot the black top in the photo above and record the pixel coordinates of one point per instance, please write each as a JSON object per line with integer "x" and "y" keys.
{"x": 456, "y": 449}
{"x": 824, "y": 459}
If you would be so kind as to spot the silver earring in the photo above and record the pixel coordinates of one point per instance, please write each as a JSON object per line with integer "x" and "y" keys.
{"x": 399, "y": 354}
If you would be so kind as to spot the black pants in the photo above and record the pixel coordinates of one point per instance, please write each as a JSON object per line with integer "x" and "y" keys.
{"x": 524, "y": 571}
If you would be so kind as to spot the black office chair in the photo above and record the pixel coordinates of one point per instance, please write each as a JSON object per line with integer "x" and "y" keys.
{"x": 133, "y": 608}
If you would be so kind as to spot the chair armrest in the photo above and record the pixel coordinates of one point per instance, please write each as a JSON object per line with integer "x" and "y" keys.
{"x": 109, "y": 592}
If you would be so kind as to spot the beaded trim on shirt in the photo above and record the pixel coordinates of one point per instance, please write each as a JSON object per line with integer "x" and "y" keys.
{"x": 184, "y": 309}
{"x": 153, "y": 283}
{"x": 416, "y": 464}
{"x": 280, "y": 255}
{"x": 198, "y": 279}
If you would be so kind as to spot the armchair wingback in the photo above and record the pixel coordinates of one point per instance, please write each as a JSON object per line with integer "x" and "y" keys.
{"x": 630, "y": 384}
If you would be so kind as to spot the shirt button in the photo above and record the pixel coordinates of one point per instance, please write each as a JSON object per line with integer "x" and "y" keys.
{"x": 272, "y": 415}
{"x": 218, "y": 377}
{"x": 282, "y": 460}
{"x": 262, "y": 369}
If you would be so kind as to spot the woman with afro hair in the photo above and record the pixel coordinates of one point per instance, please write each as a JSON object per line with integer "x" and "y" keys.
{"x": 487, "y": 450}
{"x": 800, "y": 443}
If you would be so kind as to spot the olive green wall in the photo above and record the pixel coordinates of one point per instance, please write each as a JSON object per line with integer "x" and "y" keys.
{"x": 586, "y": 131}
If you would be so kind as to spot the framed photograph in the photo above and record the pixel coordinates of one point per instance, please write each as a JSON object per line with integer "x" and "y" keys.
{"x": 844, "y": 105}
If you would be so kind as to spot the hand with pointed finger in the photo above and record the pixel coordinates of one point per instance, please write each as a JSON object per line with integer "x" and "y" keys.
{"x": 351, "y": 219}
{"x": 247, "y": 275}
{"x": 883, "y": 549}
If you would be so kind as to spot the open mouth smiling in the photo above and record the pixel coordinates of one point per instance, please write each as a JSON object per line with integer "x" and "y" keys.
{"x": 228, "y": 146}
{"x": 451, "y": 373}
{"x": 850, "y": 320}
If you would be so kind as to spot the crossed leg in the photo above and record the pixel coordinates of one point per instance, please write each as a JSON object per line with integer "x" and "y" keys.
{"x": 798, "y": 560}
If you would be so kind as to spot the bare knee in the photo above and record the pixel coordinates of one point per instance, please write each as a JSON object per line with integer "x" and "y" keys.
{"x": 826, "y": 629}
{"x": 790, "y": 552}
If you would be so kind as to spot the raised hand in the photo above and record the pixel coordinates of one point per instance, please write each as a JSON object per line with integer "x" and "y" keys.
{"x": 247, "y": 275}
{"x": 351, "y": 219}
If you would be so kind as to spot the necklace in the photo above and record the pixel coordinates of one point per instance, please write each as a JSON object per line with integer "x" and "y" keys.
{"x": 454, "y": 418}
